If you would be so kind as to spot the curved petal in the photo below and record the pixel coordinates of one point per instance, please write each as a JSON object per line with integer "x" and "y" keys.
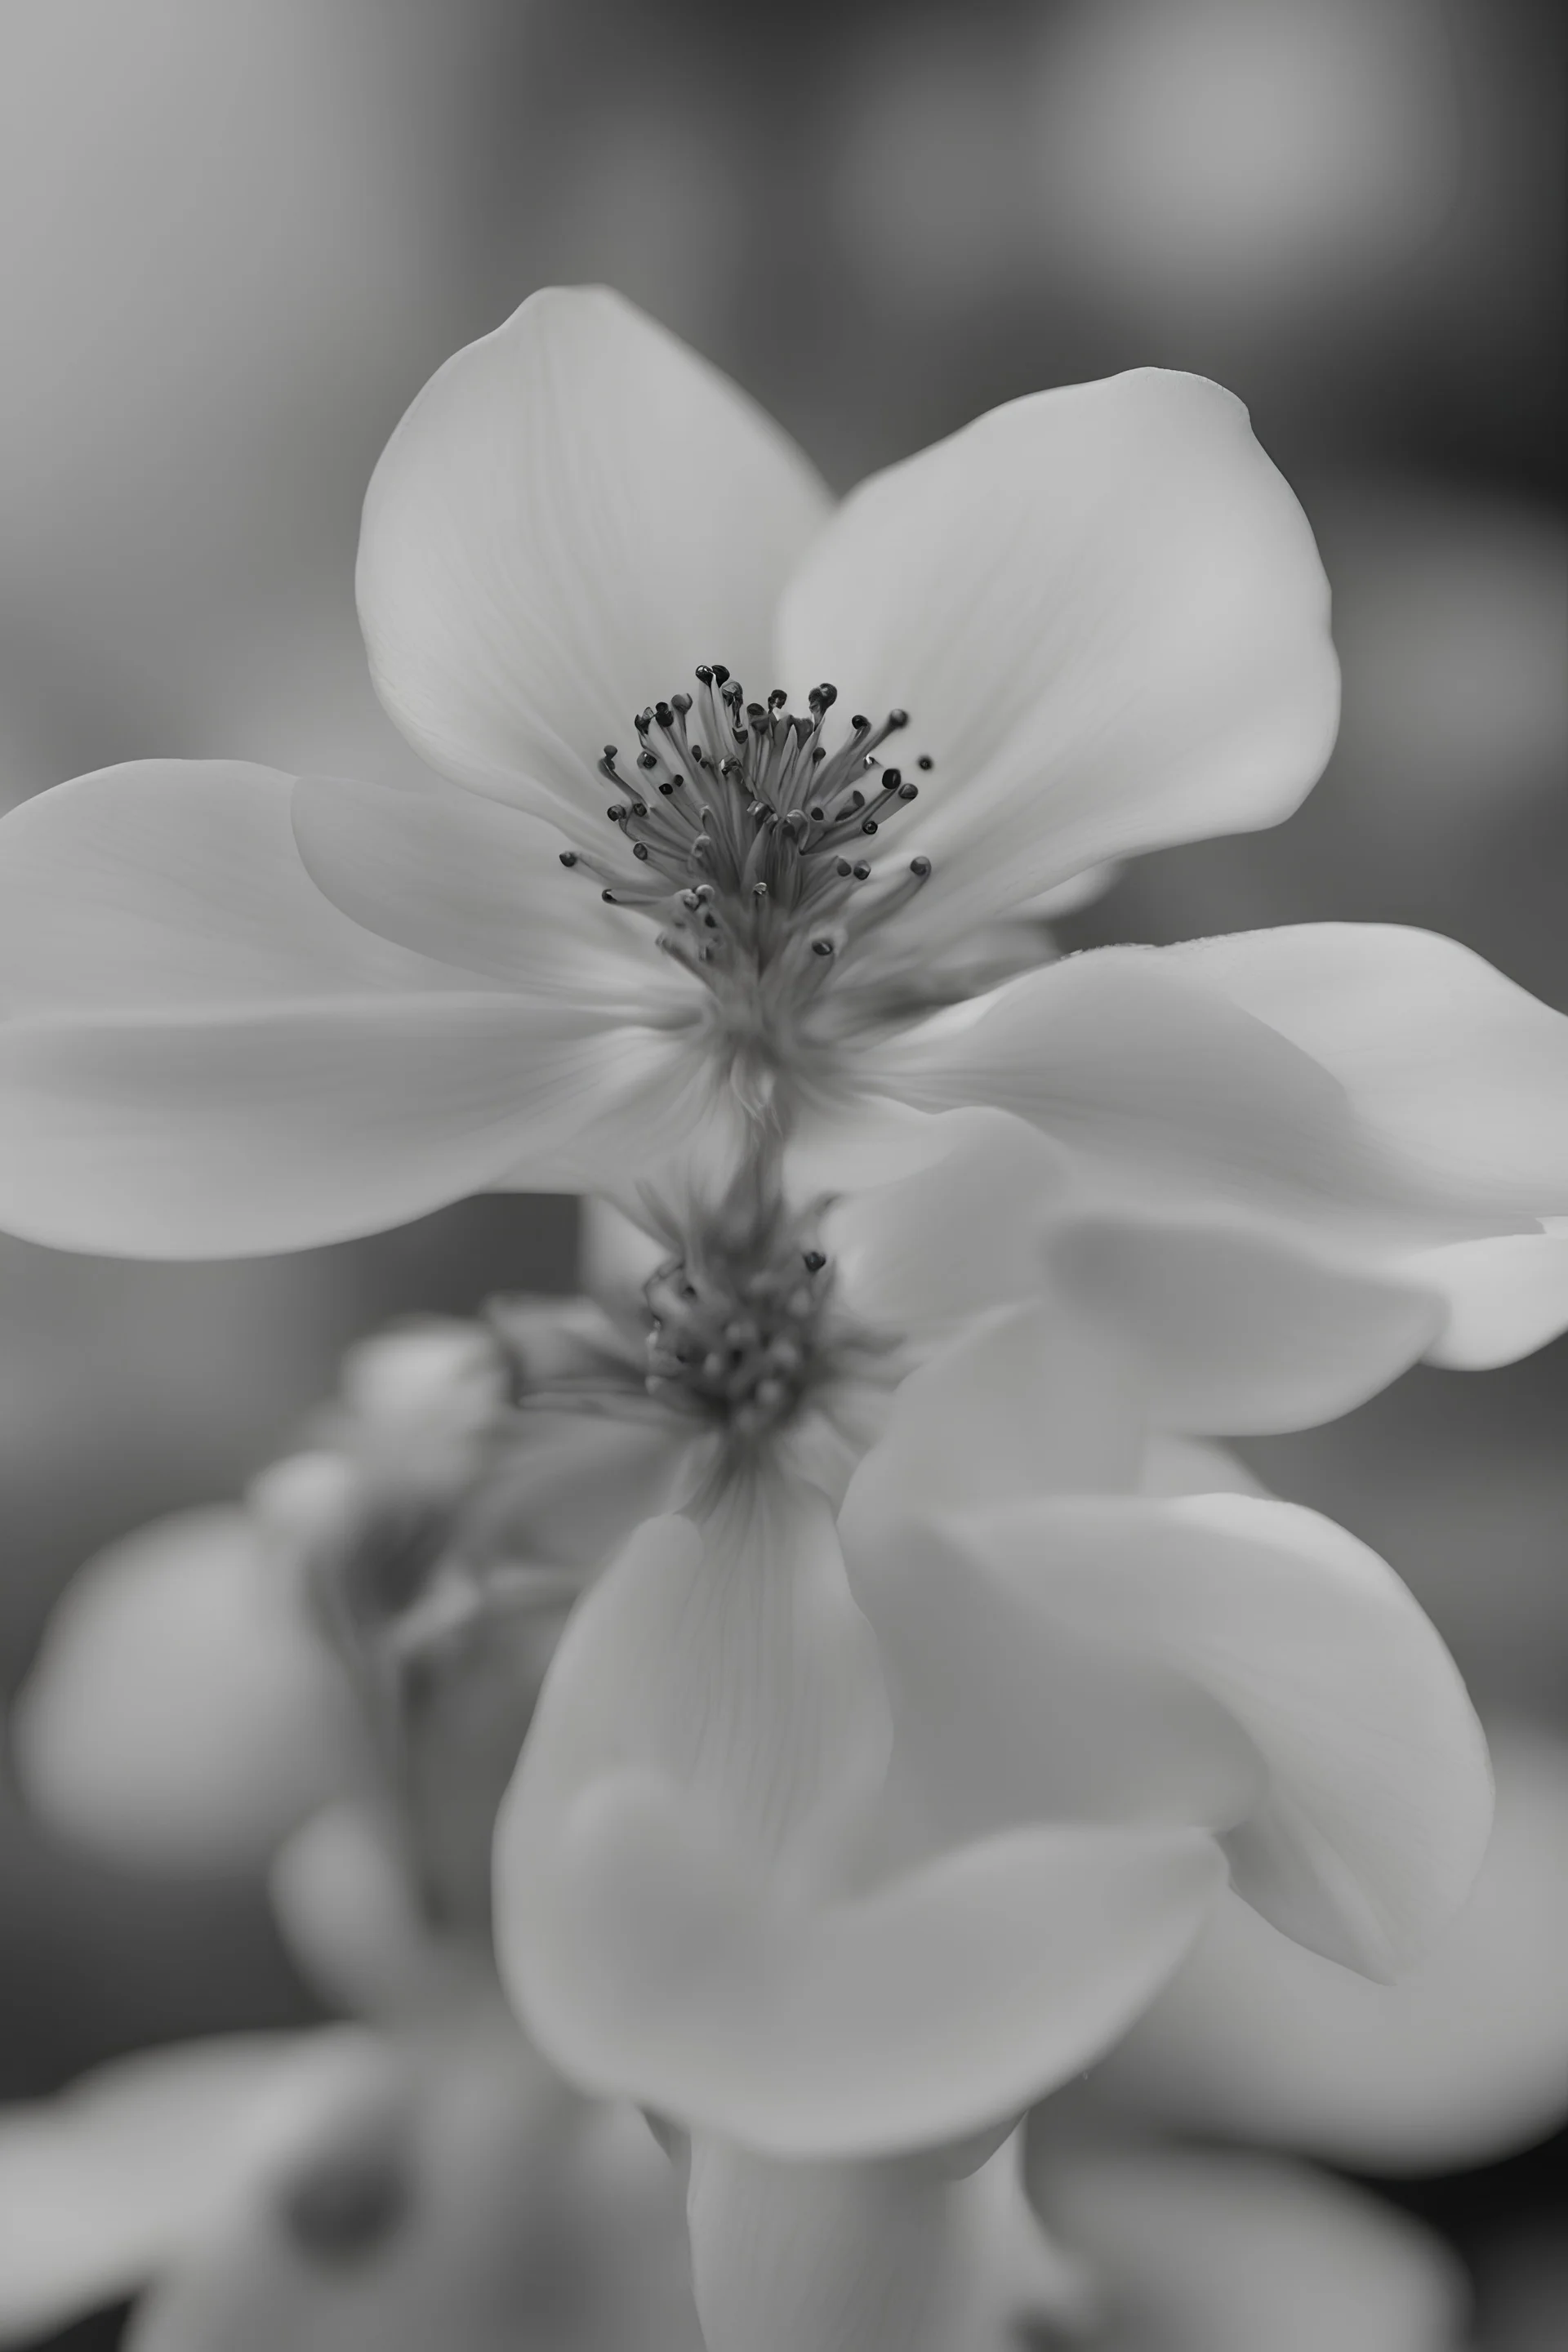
{"x": 670, "y": 1859}
{"x": 948, "y": 1997}
{"x": 1462, "y": 2062}
{"x": 207, "y": 1057}
{"x": 1002, "y": 1719}
{"x": 575, "y": 511}
{"x": 183, "y": 1712}
{"x": 117, "y": 2180}
{"x": 1461, "y": 1074}
{"x": 220, "y": 1134}
{"x": 1105, "y": 611}
{"x": 1228, "y": 2253}
{"x": 1237, "y": 1330}
{"x": 1035, "y": 1401}
{"x": 1168, "y": 1094}
{"x": 476, "y": 884}
{"x": 175, "y": 884}
{"x": 1506, "y": 1298}
{"x": 947, "y": 1242}
{"x": 1378, "y": 1803}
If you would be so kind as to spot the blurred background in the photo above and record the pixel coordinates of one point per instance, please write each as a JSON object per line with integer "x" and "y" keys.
{"x": 239, "y": 238}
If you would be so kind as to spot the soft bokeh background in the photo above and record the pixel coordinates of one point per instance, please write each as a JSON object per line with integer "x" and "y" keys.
{"x": 240, "y": 237}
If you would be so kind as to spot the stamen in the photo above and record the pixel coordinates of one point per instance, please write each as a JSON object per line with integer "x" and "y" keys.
{"x": 738, "y": 830}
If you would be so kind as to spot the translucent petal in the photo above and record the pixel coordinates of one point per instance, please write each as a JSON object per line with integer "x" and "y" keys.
{"x": 1168, "y": 1095}
{"x": 1379, "y": 1803}
{"x": 575, "y": 511}
{"x": 1105, "y": 611}
{"x": 1506, "y": 1298}
{"x": 1462, "y": 2062}
{"x": 1460, "y": 1074}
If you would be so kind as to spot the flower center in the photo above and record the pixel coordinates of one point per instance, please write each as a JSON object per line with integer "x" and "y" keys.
{"x": 752, "y": 833}
{"x": 737, "y": 1322}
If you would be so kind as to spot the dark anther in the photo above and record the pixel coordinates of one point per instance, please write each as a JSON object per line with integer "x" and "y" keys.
{"x": 777, "y": 699}
{"x": 822, "y": 947}
{"x": 612, "y": 751}
{"x": 897, "y": 718}
{"x": 862, "y": 871}
{"x": 569, "y": 857}
{"x": 755, "y": 710}
{"x": 860, "y": 722}
{"x": 720, "y": 674}
{"x": 704, "y": 674}
{"x": 647, "y": 759}
{"x": 667, "y": 791}
{"x": 815, "y": 1260}
{"x": 663, "y": 713}
{"x": 868, "y": 824}
{"x": 681, "y": 702}
{"x": 843, "y": 868}
{"x": 639, "y": 849}
{"x": 893, "y": 778}
{"x": 925, "y": 760}
{"x": 617, "y": 813}
{"x": 909, "y": 792}
{"x": 920, "y": 865}
{"x": 608, "y": 897}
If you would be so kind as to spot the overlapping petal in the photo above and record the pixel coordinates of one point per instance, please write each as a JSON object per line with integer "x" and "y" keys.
{"x": 1105, "y": 611}
{"x": 688, "y": 1907}
{"x": 183, "y": 1712}
{"x": 1204, "y": 2252}
{"x": 1462, "y": 1074}
{"x": 1464, "y": 2061}
{"x": 1506, "y": 1296}
{"x": 1167, "y": 1093}
{"x": 204, "y": 1058}
{"x": 575, "y": 511}
{"x": 1379, "y": 1800}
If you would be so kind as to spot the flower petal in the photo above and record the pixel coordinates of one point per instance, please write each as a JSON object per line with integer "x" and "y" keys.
{"x": 673, "y": 1855}
{"x": 183, "y": 1713}
{"x": 1034, "y": 1401}
{"x": 1005, "y": 1716}
{"x": 1236, "y": 1329}
{"x": 1461, "y": 1074}
{"x": 948, "y": 1997}
{"x": 1229, "y": 2253}
{"x": 219, "y": 1135}
{"x": 1103, "y": 608}
{"x": 208, "y": 1058}
{"x": 1464, "y": 2062}
{"x": 1167, "y": 1095}
{"x": 107, "y": 2185}
{"x": 476, "y": 884}
{"x": 1506, "y": 1296}
{"x": 176, "y": 884}
{"x": 1380, "y": 1800}
{"x": 575, "y": 511}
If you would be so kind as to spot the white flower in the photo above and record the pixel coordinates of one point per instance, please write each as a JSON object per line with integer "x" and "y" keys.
{"x": 245, "y": 1012}
{"x": 342, "y": 2188}
{"x": 846, "y": 1840}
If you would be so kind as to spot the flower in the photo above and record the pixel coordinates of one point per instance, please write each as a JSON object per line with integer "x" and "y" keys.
{"x": 246, "y": 1012}
{"x": 346, "y": 2186}
{"x": 846, "y": 1840}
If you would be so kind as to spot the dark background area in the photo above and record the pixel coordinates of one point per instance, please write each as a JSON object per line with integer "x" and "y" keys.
{"x": 240, "y": 239}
